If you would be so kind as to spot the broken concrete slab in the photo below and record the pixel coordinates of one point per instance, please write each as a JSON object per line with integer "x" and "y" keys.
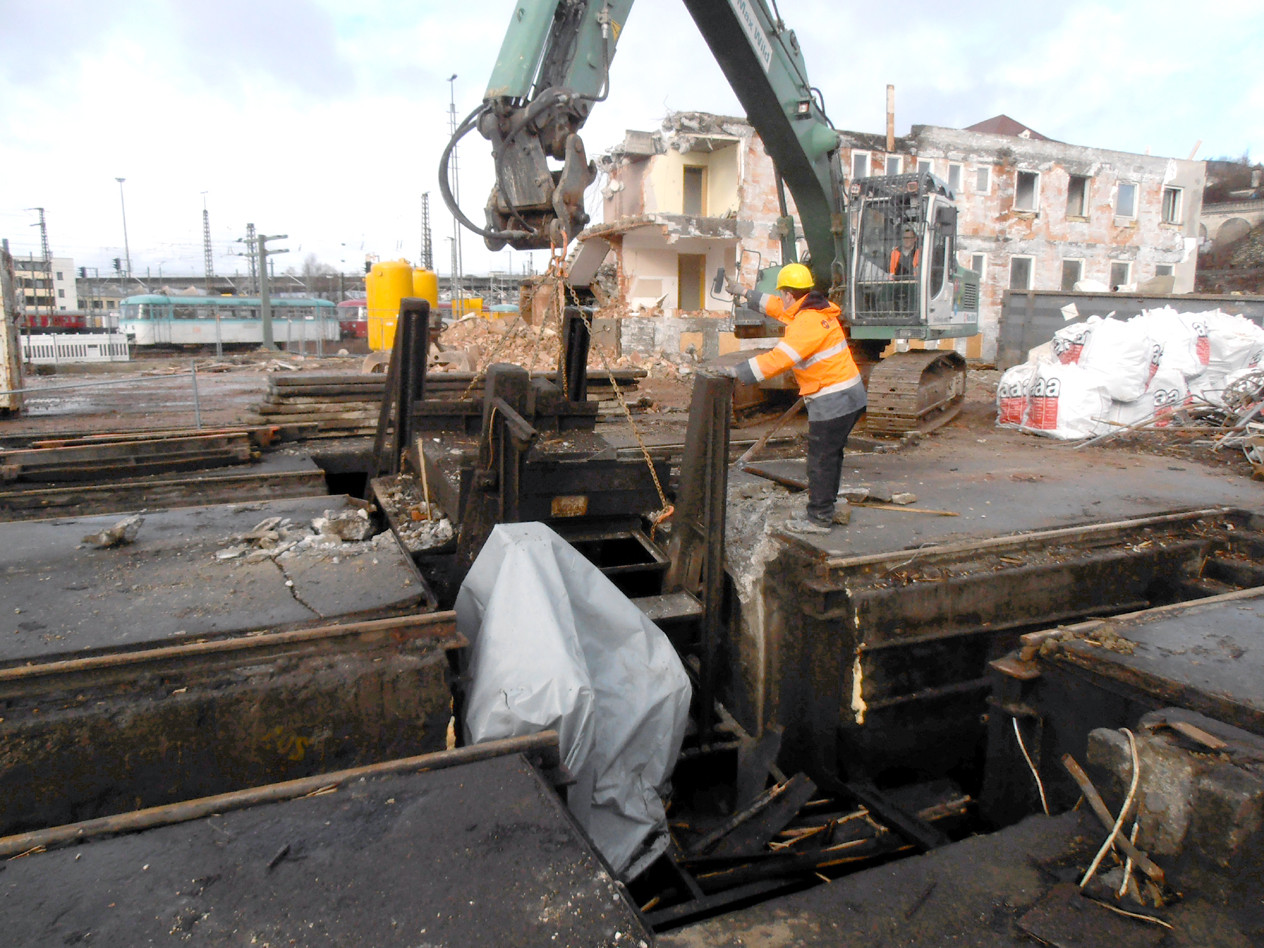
{"x": 62, "y": 598}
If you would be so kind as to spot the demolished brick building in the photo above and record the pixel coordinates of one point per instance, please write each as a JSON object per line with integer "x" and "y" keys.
{"x": 1036, "y": 214}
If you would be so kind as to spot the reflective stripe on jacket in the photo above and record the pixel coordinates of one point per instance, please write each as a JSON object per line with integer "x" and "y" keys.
{"x": 814, "y": 346}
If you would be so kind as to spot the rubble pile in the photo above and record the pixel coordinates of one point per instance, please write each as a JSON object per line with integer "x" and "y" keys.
{"x": 536, "y": 348}
{"x": 336, "y": 533}
{"x": 1162, "y": 370}
{"x": 513, "y": 340}
{"x": 420, "y": 524}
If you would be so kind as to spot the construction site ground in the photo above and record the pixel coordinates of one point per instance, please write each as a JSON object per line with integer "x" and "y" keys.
{"x": 969, "y": 481}
{"x": 982, "y": 479}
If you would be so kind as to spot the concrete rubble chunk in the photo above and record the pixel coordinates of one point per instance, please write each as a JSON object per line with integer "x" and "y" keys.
{"x": 854, "y": 492}
{"x": 121, "y": 534}
{"x": 345, "y": 525}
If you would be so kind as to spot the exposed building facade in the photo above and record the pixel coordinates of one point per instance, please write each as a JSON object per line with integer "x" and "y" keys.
{"x": 1034, "y": 213}
{"x": 682, "y": 202}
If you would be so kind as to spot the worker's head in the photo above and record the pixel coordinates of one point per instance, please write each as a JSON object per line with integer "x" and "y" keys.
{"x": 795, "y": 280}
{"x": 910, "y": 235}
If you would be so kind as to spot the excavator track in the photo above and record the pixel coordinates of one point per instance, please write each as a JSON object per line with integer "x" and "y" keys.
{"x": 918, "y": 390}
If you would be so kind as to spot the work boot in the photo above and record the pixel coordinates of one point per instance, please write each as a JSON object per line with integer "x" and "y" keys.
{"x": 807, "y": 525}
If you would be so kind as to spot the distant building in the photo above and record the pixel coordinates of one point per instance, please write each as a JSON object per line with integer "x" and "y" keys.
{"x": 1034, "y": 213}
{"x": 45, "y": 286}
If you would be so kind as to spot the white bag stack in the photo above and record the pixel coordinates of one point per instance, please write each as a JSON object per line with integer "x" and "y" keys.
{"x": 1105, "y": 372}
{"x": 1233, "y": 344}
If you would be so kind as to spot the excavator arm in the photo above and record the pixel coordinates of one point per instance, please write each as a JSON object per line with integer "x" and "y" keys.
{"x": 554, "y": 65}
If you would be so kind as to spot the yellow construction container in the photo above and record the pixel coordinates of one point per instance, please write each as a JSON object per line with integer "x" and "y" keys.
{"x": 385, "y": 285}
{"x": 426, "y": 286}
{"x": 468, "y": 306}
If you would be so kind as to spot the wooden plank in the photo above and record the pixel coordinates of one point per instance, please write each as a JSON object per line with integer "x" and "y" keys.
{"x": 116, "y": 497}
{"x": 262, "y": 435}
{"x": 314, "y": 407}
{"x": 287, "y": 399}
{"x": 753, "y": 834}
{"x": 133, "y": 468}
{"x": 117, "y": 450}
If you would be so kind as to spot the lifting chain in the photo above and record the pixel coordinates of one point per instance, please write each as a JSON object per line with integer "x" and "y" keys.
{"x": 665, "y": 511}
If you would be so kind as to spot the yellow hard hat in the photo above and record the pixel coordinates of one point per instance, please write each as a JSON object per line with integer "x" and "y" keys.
{"x": 795, "y": 276}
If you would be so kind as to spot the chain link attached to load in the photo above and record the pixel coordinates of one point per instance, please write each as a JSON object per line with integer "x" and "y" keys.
{"x": 664, "y": 512}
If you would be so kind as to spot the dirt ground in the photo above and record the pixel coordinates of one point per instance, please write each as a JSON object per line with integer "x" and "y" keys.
{"x": 159, "y": 392}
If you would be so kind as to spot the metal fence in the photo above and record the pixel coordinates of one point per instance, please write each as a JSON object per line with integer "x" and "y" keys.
{"x": 57, "y": 348}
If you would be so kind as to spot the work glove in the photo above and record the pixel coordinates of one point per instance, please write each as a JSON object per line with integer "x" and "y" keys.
{"x": 728, "y": 371}
{"x": 733, "y": 288}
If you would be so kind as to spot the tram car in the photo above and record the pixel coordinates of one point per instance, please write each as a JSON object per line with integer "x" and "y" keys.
{"x": 153, "y": 320}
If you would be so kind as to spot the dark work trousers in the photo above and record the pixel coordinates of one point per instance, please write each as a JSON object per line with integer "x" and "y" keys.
{"x": 826, "y": 441}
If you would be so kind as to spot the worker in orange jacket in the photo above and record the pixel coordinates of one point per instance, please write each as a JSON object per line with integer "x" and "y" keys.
{"x": 815, "y": 349}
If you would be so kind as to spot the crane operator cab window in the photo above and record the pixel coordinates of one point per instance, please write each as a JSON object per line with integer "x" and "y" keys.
{"x": 904, "y": 243}
{"x": 889, "y": 259}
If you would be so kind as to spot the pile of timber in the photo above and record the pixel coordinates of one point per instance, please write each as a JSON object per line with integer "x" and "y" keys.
{"x": 85, "y": 474}
{"x": 343, "y": 405}
{"x": 102, "y": 457}
{"x": 338, "y": 405}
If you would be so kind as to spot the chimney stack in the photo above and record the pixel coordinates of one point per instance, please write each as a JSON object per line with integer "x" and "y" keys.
{"x": 890, "y": 119}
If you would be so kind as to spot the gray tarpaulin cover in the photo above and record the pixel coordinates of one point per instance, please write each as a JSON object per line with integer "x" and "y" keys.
{"x": 554, "y": 644}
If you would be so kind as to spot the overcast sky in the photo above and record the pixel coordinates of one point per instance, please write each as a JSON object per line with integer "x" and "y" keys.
{"x": 324, "y": 119}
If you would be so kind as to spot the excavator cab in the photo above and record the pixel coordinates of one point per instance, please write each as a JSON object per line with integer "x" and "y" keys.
{"x": 904, "y": 229}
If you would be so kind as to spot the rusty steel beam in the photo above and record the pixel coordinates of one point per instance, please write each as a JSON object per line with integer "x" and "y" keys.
{"x": 543, "y": 746}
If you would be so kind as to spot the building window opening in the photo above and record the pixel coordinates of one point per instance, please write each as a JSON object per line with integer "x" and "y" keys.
{"x": 1072, "y": 273}
{"x": 1020, "y": 273}
{"x": 1120, "y": 274}
{"x": 695, "y": 190}
{"x": 1027, "y": 191}
{"x": 691, "y": 281}
{"x": 1126, "y": 204}
{"x": 1172, "y": 205}
{"x": 1077, "y": 196}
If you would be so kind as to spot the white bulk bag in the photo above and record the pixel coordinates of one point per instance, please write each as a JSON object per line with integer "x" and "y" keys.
{"x": 1012, "y": 394}
{"x": 1067, "y": 402}
{"x": 1168, "y": 391}
{"x": 1176, "y": 337}
{"x": 1121, "y": 353}
{"x": 1069, "y": 342}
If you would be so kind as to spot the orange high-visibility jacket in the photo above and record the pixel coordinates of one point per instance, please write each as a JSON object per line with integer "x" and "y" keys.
{"x": 814, "y": 347}
{"x": 897, "y": 255}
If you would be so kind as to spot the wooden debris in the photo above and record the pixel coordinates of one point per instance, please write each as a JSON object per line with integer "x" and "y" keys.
{"x": 904, "y": 509}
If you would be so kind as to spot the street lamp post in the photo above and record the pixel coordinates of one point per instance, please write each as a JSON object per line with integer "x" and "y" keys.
{"x": 127, "y": 253}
